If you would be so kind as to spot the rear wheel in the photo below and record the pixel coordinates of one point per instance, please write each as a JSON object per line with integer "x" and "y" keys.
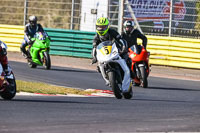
{"x": 46, "y": 60}
{"x": 10, "y": 90}
{"x": 114, "y": 84}
{"x": 144, "y": 82}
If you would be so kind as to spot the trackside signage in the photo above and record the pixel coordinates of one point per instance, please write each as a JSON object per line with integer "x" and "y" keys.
{"x": 150, "y": 10}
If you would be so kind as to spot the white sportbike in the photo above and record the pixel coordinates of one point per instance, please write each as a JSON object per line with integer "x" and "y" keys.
{"x": 113, "y": 69}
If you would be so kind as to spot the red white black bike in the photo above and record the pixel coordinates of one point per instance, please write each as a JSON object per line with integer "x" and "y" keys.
{"x": 7, "y": 84}
{"x": 140, "y": 65}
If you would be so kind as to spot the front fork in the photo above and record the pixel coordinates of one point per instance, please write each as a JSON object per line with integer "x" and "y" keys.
{"x": 116, "y": 69}
{"x": 42, "y": 55}
{"x": 136, "y": 68}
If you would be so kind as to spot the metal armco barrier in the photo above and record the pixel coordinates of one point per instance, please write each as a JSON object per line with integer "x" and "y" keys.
{"x": 168, "y": 51}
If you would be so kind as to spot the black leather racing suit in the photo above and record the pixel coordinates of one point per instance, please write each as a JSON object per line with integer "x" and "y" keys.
{"x": 29, "y": 33}
{"x": 131, "y": 38}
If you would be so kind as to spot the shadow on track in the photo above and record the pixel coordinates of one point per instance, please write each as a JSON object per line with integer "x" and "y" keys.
{"x": 51, "y": 101}
{"x": 69, "y": 70}
{"x": 160, "y": 100}
{"x": 167, "y": 88}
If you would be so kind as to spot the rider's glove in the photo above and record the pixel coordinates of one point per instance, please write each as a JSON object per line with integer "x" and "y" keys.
{"x": 121, "y": 52}
{"x": 30, "y": 42}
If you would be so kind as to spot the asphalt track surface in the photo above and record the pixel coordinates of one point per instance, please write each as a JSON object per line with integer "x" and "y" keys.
{"x": 168, "y": 105}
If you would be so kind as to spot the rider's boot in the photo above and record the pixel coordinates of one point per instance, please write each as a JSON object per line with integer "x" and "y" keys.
{"x": 94, "y": 60}
{"x": 98, "y": 69}
{"x": 24, "y": 52}
{"x": 26, "y": 55}
{"x": 108, "y": 83}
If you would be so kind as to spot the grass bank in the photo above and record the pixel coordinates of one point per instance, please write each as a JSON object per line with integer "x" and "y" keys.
{"x": 39, "y": 87}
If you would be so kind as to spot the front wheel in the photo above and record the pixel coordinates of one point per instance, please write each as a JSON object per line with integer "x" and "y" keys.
{"x": 144, "y": 82}
{"x": 46, "y": 60}
{"x": 114, "y": 84}
{"x": 10, "y": 90}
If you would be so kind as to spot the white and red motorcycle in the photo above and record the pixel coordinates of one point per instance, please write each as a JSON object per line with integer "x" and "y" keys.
{"x": 110, "y": 64}
{"x": 7, "y": 84}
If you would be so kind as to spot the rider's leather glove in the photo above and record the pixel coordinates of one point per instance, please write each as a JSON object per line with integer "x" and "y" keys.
{"x": 30, "y": 42}
{"x": 121, "y": 52}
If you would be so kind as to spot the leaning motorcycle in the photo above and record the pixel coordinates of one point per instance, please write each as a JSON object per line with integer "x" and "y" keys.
{"x": 39, "y": 51}
{"x": 108, "y": 55}
{"x": 7, "y": 85}
{"x": 140, "y": 64}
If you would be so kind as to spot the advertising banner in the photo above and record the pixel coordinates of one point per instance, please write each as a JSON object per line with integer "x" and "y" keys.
{"x": 158, "y": 12}
{"x": 146, "y": 10}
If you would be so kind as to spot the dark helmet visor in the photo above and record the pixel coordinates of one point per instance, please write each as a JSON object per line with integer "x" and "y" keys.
{"x": 32, "y": 23}
{"x": 128, "y": 28}
{"x": 101, "y": 27}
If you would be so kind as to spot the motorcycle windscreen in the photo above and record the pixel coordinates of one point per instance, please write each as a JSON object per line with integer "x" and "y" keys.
{"x": 40, "y": 36}
{"x": 136, "y": 49}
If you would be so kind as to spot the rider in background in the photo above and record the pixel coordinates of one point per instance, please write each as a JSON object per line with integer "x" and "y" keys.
{"x": 30, "y": 29}
{"x": 104, "y": 33}
{"x": 4, "y": 59}
{"x": 130, "y": 34}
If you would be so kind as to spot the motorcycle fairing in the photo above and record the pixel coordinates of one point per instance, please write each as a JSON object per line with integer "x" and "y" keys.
{"x": 107, "y": 51}
{"x": 40, "y": 45}
{"x": 134, "y": 51}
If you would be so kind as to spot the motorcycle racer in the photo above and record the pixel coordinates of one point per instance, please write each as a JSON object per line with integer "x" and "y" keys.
{"x": 130, "y": 34}
{"x": 3, "y": 58}
{"x": 30, "y": 29}
{"x": 104, "y": 33}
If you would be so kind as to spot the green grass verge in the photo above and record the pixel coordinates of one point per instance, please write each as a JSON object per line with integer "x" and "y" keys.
{"x": 39, "y": 87}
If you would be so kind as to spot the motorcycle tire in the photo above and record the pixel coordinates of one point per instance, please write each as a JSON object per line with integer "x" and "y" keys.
{"x": 46, "y": 60}
{"x": 144, "y": 82}
{"x": 10, "y": 90}
{"x": 114, "y": 84}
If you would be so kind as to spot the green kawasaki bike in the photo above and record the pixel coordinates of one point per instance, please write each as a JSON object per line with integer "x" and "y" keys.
{"x": 39, "y": 51}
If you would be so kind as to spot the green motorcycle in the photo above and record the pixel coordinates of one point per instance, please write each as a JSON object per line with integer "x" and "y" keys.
{"x": 39, "y": 51}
